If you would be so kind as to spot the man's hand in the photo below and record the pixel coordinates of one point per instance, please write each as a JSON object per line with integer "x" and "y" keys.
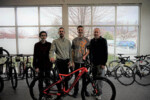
{"x": 52, "y": 60}
{"x": 103, "y": 66}
{"x": 69, "y": 64}
{"x": 84, "y": 58}
{"x": 37, "y": 70}
{"x": 73, "y": 65}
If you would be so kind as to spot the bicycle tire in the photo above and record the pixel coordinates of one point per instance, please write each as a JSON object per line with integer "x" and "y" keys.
{"x": 30, "y": 75}
{"x": 125, "y": 75}
{"x": 108, "y": 89}
{"x": 111, "y": 68}
{"x": 35, "y": 91}
{"x": 7, "y": 57}
{"x": 1, "y": 84}
{"x": 14, "y": 80}
{"x": 143, "y": 78}
{"x": 21, "y": 70}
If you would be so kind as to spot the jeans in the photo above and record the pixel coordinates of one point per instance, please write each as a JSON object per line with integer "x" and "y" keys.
{"x": 98, "y": 72}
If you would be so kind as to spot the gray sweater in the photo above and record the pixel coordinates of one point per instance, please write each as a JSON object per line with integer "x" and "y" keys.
{"x": 62, "y": 48}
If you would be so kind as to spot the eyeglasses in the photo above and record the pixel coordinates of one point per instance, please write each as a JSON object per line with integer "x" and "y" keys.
{"x": 61, "y": 31}
{"x": 43, "y": 35}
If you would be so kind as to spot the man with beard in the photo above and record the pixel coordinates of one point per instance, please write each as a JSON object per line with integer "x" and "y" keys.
{"x": 80, "y": 50}
{"x": 62, "y": 48}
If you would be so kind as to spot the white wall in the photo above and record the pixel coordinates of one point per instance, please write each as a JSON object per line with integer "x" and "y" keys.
{"x": 145, "y": 13}
{"x": 145, "y": 28}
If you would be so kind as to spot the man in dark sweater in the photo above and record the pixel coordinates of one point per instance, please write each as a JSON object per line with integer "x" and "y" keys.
{"x": 41, "y": 61}
{"x": 98, "y": 56}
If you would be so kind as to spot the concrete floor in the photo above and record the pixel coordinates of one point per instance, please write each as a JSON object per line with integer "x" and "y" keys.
{"x": 132, "y": 92}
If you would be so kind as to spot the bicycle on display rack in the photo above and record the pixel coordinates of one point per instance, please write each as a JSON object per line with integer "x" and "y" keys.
{"x": 50, "y": 90}
{"x": 4, "y": 57}
{"x": 111, "y": 67}
{"x": 122, "y": 72}
{"x": 29, "y": 71}
{"x": 141, "y": 71}
{"x": 10, "y": 68}
{"x": 10, "y": 72}
{"x": 21, "y": 65}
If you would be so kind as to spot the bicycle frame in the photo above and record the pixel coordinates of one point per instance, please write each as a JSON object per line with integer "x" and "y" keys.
{"x": 137, "y": 65}
{"x": 62, "y": 77}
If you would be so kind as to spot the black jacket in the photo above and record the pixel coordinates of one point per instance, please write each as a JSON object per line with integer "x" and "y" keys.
{"x": 41, "y": 56}
{"x": 98, "y": 51}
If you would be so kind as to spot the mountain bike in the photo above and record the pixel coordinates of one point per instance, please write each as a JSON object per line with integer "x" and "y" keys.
{"x": 50, "y": 87}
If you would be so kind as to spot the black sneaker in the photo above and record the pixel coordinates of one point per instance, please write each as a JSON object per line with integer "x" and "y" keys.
{"x": 75, "y": 95}
{"x": 58, "y": 98}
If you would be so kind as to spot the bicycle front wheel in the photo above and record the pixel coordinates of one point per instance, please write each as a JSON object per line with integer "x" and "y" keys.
{"x": 30, "y": 74}
{"x": 37, "y": 87}
{"x": 143, "y": 77}
{"x": 21, "y": 70}
{"x": 101, "y": 87}
{"x": 125, "y": 75}
{"x": 14, "y": 80}
{"x": 111, "y": 68}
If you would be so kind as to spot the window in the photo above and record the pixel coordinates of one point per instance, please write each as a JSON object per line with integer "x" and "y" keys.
{"x": 50, "y": 15}
{"x": 103, "y": 15}
{"x": 20, "y": 26}
{"x": 79, "y": 15}
{"x": 127, "y": 15}
{"x": 28, "y": 36}
{"x": 8, "y": 39}
{"x": 118, "y": 24}
{"x": 27, "y": 16}
{"x": 7, "y": 17}
{"x": 22, "y": 34}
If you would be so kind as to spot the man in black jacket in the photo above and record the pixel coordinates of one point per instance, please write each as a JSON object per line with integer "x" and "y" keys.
{"x": 41, "y": 61}
{"x": 98, "y": 56}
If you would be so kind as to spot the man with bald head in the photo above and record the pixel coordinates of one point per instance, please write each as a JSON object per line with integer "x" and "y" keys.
{"x": 98, "y": 56}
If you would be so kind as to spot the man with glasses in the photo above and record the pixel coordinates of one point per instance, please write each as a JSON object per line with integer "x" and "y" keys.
{"x": 62, "y": 48}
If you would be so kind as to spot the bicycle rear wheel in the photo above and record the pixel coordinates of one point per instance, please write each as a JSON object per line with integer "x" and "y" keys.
{"x": 103, "y": 87}
{"x": 111, "y": 68}
{"x": 125, "y": 75}
{"x": 4, "y": 56}
{"x": 21, "y": 70}
{"x": 14, "y": 80}
{"x": 143, "y": 78}
{"x": 30, "y": 74}
{"x": 36, "y": 88}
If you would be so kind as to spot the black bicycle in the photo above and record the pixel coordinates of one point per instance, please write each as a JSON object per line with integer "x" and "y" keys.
{"x": 29, "y": 71}
{"x": 4, "y": 57}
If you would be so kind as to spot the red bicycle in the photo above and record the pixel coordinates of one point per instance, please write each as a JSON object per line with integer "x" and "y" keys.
{"x": 50, "y": 86}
